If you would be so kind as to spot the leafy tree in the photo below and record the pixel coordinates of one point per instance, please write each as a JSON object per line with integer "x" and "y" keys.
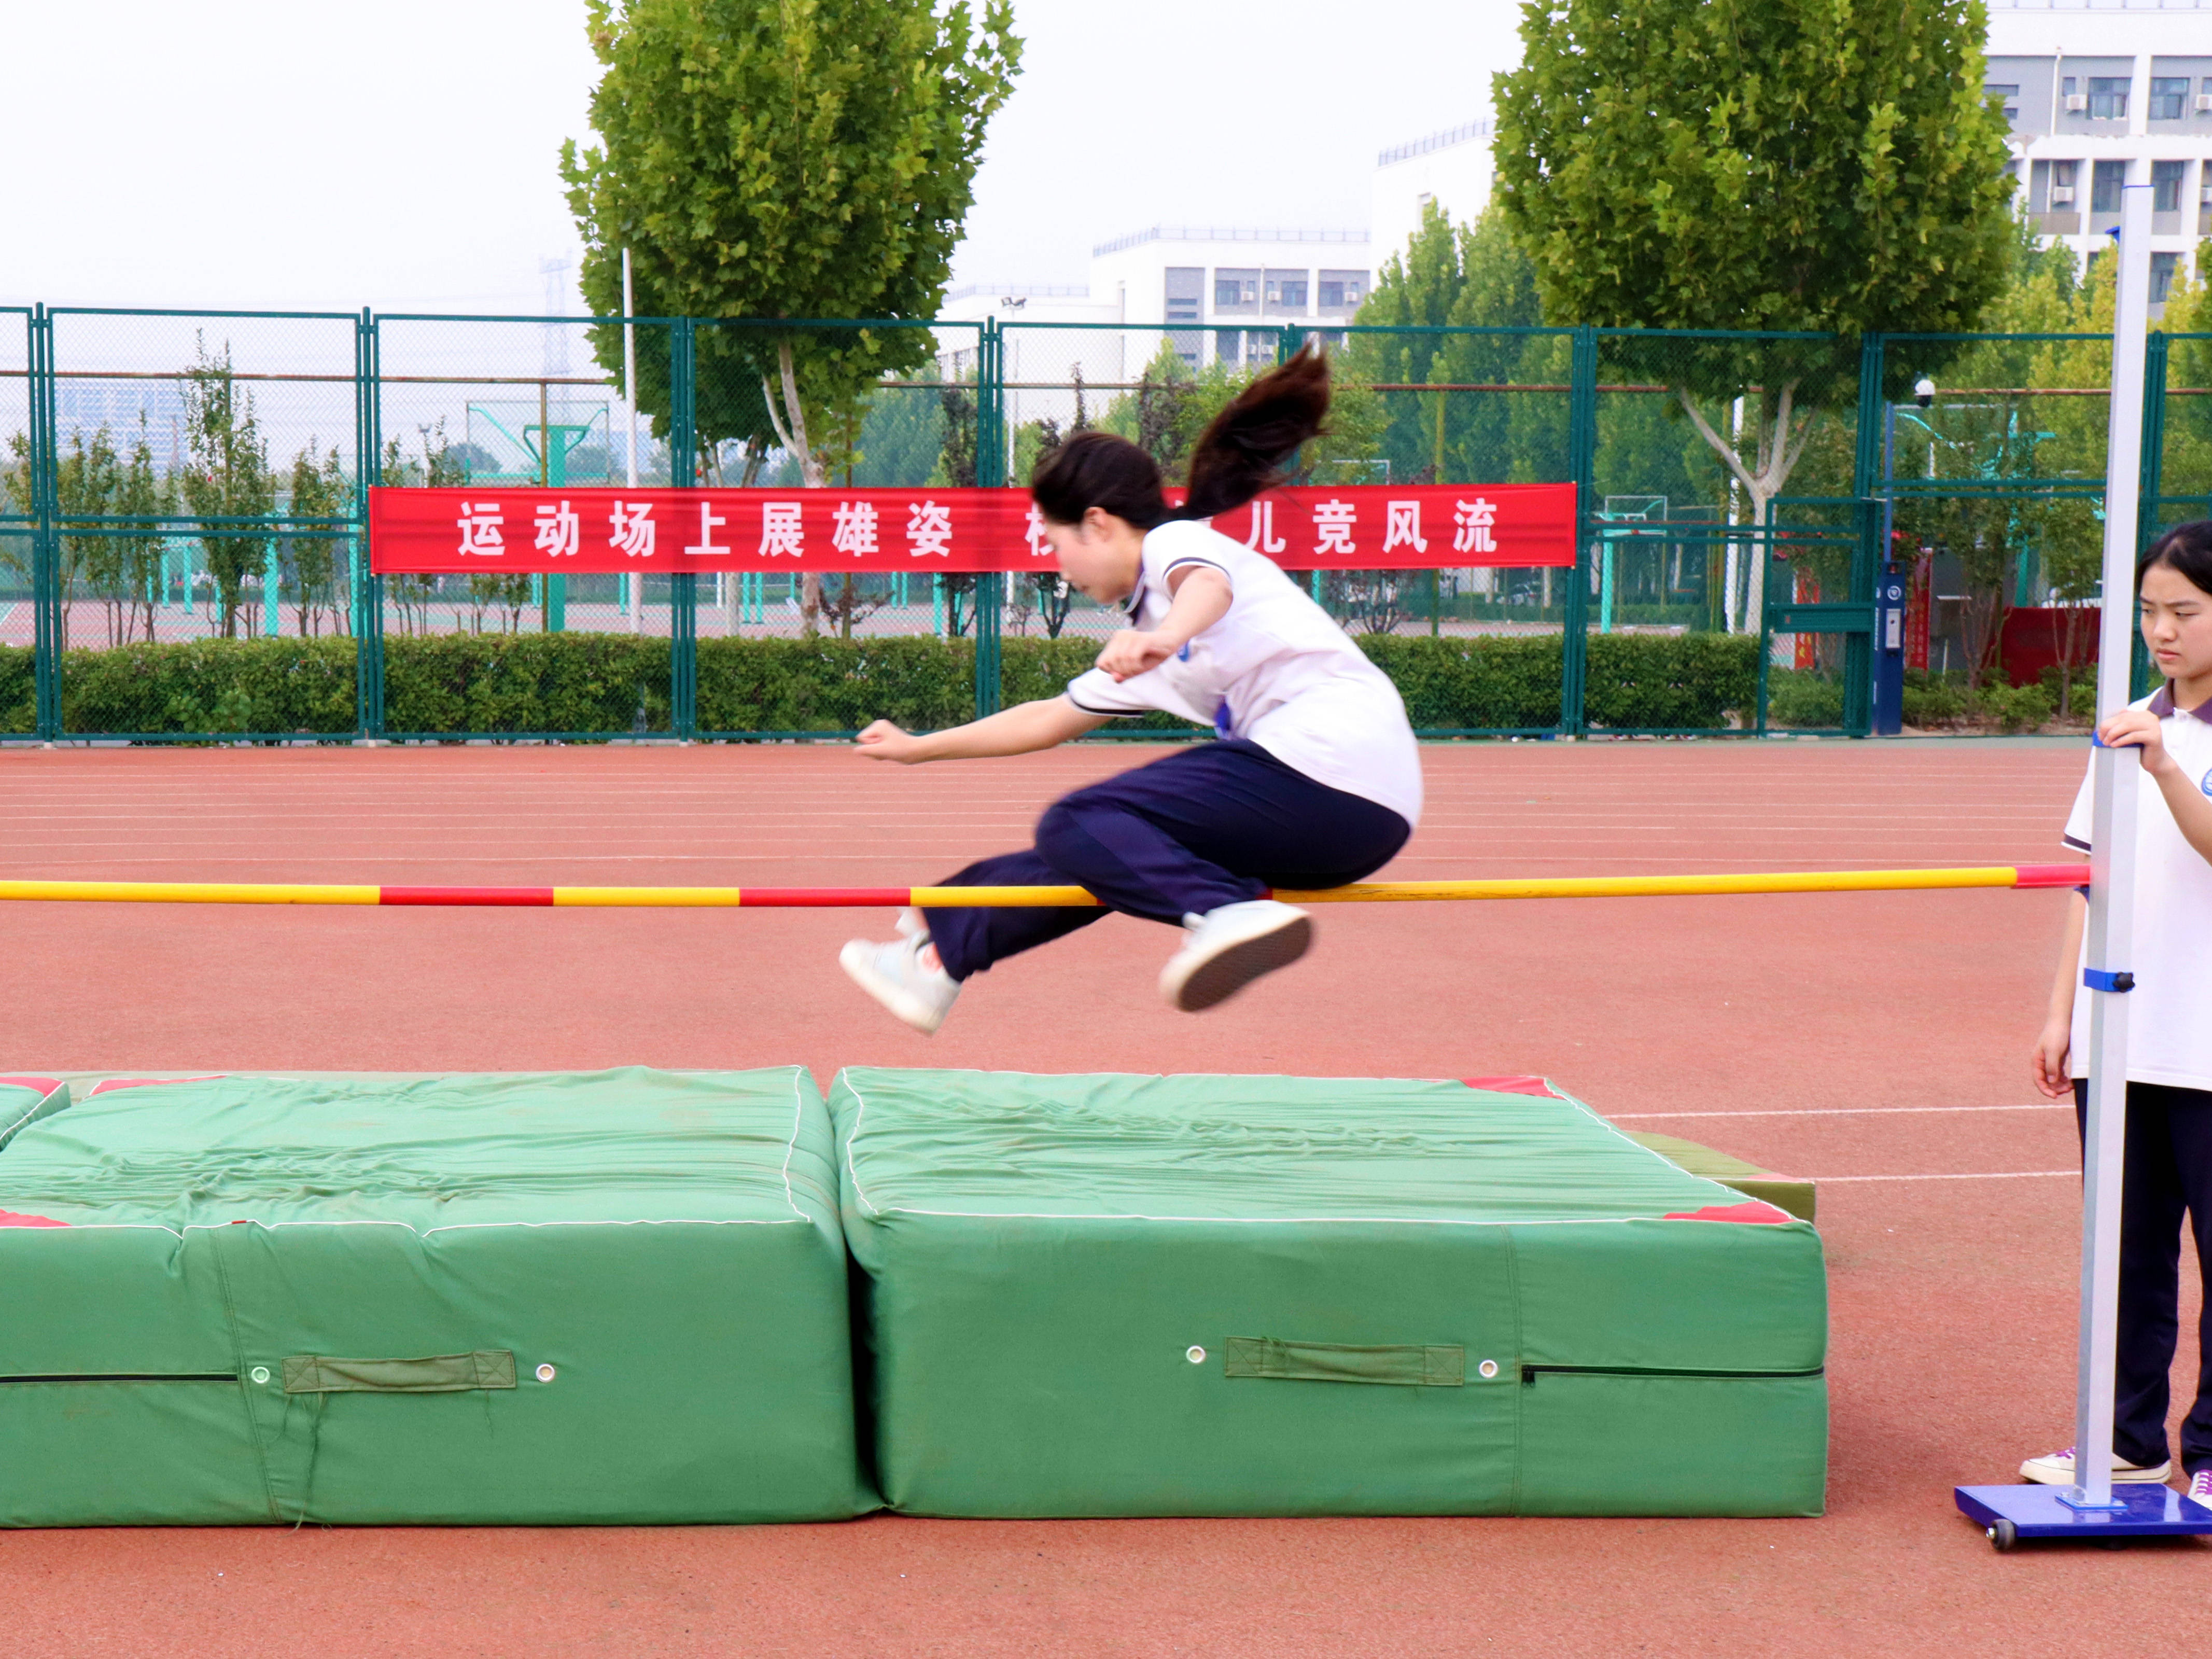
{"x": 1799, "y": 164}
{"x": 319, "y": 490}
{"x": 227, "y": 477}
{"x": 784, "y": 158}
{"x": 87, "y": 476}
{"x": 144, "y": 492}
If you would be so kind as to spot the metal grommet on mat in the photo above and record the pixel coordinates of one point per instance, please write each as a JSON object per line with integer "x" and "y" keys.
{"x": 259, "y": 1373}
{"x": 1487, "y": 1370}
{"x": 1196, "y": 1354}
{"x": 545, "y": 1373}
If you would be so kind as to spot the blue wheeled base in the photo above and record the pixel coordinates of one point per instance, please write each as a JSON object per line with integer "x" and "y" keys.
{"x": 2145, "y": 1510}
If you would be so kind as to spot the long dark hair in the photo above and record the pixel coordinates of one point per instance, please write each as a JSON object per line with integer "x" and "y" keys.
{"x": 1239, "y": 455}
{"x": 2185, "y": 549}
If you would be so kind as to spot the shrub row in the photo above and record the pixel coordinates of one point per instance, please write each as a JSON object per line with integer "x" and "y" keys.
{"x": 618, "y": 683}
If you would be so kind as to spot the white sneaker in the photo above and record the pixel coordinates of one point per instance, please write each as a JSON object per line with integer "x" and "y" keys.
{"x": 1226, "y": 950}
{"x": 2200, "y": 1488}
{"x": 918, "y": 992}
{"x": 2056, "y": 1469}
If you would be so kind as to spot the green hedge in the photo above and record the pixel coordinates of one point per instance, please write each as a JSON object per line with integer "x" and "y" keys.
{"x": 618, "y": 683}
{"x": 210, "y": 685}
{"x": 19, "y": 697}
{"x": 612, "y": 682}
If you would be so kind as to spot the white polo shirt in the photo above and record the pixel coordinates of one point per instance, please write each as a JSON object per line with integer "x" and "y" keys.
{"x": 1275, "y": 669}
{"x": 2170, "y": 1010}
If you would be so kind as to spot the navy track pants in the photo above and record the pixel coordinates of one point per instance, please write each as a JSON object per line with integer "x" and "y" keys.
{"x": 1190, "y": 832}
{"x": 2166, "y": 1174}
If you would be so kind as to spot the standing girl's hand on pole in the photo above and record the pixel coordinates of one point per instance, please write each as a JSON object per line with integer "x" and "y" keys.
{"x": 2138, "y": 728}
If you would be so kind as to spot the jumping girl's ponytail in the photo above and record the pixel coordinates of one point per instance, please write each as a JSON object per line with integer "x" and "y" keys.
{"x": 1240, "y": 455}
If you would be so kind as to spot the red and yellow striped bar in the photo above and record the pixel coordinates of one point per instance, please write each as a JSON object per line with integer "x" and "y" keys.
{"x": 938, "y": 898}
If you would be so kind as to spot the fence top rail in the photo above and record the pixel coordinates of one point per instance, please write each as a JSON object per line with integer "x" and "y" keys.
{"x": 1721, "y": 334}
{"x": 1279, "y": 325}
{"x": 1889, "y": 339}
{"x": 594, "y": 321}
{"x": 199, "y": 310}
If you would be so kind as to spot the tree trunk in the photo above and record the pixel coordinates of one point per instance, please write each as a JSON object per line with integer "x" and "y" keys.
{"x": 790, "y": 425}
{"x": 1776, "y": 450}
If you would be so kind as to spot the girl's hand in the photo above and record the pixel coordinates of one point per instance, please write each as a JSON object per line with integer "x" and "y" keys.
{"x": 2138, "y": 728}
{"x": 2047, "y": 1066}
{"x": 1131, "y": 652}
{"x": 886, "y": 742}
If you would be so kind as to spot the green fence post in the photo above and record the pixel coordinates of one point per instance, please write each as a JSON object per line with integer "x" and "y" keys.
{"x": 1582, "y": 462}
{"x": 683, "y": 587}
{"x": 2148, "y": 516}
{"x": 991, "y": 472}
{"x": 45, "y": 551}
{"x": 369, "y": 587}
{"x": 1868, "y": 553}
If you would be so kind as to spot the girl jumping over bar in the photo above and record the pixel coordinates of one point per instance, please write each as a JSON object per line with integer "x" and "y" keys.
{"x": 1315, "y": 779}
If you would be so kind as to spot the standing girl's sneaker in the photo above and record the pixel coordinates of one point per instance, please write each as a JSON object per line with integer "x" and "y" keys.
{"x": 2200, "y": 1488}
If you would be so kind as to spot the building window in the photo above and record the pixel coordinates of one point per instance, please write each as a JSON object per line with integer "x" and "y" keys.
{"x": 2108, "y": 98}
{"x": 2011, "y": 96}
{"x": 1287, "y": 291}
{"x": 2169, "y": 97}
{"x": 1234, "y": 290}
{"x": 2166, "y": 185}
{"x": 2061, "y": 187}
{"x": 1185, "y": 286}
{"x": 2105, "y": 184}
{"x": 2163, "y": 269}
{"x": 1341, "y": 290}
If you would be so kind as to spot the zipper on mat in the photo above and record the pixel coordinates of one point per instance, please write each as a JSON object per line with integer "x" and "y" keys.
{"x": 1528, "y": 1373}
{"x": 123, "y": 1376}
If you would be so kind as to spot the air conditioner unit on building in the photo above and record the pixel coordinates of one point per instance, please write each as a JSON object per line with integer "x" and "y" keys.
{"x": 2204, "y": 103}
{"x": 2061, "y": 196}
{"x": 2076, "y": 102}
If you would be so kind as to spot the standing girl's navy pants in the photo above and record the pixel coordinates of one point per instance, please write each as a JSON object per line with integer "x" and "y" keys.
{"x": 1189, "y": 833}
{"x": 2167, "y": 1173}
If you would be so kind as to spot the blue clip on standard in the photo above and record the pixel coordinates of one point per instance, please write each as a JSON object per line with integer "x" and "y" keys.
{"x": 2097, "y": 979}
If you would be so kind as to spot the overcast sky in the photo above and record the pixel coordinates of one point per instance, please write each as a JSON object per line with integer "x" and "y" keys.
{"x": 264, "y": 153}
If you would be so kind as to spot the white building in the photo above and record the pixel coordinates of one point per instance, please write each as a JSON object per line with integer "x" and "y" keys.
{"x": 1210, "y": 294}
{"x": 2106, "y": 93}
{"x": 1453, "y": 169}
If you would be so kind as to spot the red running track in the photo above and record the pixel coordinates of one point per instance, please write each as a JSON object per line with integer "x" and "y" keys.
{"x": 1875, "y": 1039}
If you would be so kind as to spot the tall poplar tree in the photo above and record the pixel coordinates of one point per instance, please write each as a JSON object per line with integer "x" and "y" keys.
{"x": 1777, "y": 165}
{"x": 784, "y": 158}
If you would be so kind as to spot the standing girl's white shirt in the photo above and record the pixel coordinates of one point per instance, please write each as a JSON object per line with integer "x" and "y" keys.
{"x": 1275, "y": 669}
{"x": 2169, "y": 1012}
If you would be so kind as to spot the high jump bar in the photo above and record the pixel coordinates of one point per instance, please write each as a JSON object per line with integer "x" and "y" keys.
{"x": 940, "y": 898}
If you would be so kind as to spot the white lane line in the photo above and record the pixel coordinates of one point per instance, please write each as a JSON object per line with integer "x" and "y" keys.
{"x": 1849, "y": 1111}
{"x": 1993, "y": 1175}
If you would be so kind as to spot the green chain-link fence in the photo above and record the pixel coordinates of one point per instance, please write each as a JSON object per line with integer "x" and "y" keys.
{"x": 183, "y": 504}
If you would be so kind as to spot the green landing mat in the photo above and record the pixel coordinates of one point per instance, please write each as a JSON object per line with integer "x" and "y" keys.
{"x": 610, "y": 1297}
{"x": 1119, "y": 1295}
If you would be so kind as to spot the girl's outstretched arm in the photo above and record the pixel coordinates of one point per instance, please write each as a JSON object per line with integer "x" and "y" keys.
{"x": 1021, "y": 730}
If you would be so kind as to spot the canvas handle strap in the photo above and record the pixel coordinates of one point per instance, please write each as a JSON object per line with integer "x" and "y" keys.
{"x": 1422, "y": 1367}
{"x": 444, "y": 1373}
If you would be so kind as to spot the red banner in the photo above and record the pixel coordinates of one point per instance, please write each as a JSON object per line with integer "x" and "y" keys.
{"x": 491, "y": 529}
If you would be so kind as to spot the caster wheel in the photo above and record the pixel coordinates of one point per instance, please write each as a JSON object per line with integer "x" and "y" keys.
{"x": 2002, "y": 1536}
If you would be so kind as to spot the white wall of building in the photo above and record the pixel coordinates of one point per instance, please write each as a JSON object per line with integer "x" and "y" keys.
{"x": 1454, "y": 169}
{"x": 2120, "y": 89}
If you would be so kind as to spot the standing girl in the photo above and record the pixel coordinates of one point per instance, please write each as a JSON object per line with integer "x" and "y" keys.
{"x": 2167, "y": 1170}
{"x": 1315, "y": 779}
